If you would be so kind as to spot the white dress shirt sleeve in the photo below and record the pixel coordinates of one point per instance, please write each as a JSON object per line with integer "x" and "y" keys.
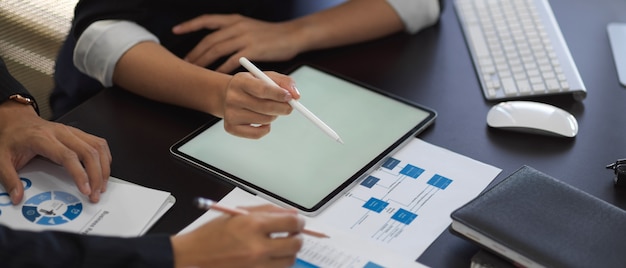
{"x": 416, "y": 14}
{"x": 103, "y": 43}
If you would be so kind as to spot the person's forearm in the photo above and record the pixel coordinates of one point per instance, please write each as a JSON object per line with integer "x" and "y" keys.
{"x": 350, "y": 22}
{"x": 149, "y": 70}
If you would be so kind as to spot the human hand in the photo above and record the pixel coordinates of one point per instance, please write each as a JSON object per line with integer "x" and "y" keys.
{"x": 242, "y": 240}
{"x": 250, "y": 104}
{"x": 24, "y": 135}
{"x": 239, "y": 36}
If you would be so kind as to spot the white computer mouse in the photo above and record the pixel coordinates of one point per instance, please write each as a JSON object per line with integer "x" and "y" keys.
{"x": 532, "y": 117}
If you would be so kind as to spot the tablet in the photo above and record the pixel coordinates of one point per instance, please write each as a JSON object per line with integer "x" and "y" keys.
{"x": 298, "y": 165}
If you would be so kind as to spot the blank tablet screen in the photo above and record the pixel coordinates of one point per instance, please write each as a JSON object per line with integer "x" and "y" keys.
{"x": 297, "y": 164}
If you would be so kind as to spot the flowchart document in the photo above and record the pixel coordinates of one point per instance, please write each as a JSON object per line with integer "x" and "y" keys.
{"x": 52, "y": 202}
{"x": 340, "y": 250}
{"x": 406, "y": 203}
{"x": 393, "y": 215}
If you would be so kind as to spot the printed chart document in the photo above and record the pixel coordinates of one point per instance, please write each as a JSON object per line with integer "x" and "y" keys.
{"x": 52, "y": 202}
{"x": 393, "y": 215}
{"x": 406, "y": 204}
{"x": 340, "y": 250}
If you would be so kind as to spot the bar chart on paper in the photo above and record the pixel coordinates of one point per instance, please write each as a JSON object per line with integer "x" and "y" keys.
{"x": 405, "y": 204}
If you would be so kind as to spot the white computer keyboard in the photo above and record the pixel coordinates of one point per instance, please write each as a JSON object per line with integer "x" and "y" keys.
{"x": 518, "y": 49}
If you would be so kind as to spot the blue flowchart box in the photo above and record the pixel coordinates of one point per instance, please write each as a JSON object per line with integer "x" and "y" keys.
{"x": 391, "y": 163}
{"x": 404, "y": 216}
{"x": 439, "y": 181}
{"x": 375, "y": 205}
{"x": 412, "y": 171}
{"x": 370, "y": 181}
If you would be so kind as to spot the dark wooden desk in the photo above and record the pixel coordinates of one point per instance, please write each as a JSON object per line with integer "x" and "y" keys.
{"x": 432, "y": 68}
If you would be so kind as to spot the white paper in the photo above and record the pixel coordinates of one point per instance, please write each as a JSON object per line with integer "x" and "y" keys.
{"x": 389, "y": 219}
{"x": 52, "y": 202}
{"x": 340, "y": 250}
{"x": 407, "y": 207}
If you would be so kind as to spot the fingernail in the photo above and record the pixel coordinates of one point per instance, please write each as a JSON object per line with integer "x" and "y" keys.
{"x": 176, "y": 28}
{"x": 86, "y": 189}
{"x": 96, "y": 196}
{"x": 288, "y": 96}
{"x": 295, "y": 88}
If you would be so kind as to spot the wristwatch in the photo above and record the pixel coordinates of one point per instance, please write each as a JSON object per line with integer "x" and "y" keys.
{"x": 24, "y": 100}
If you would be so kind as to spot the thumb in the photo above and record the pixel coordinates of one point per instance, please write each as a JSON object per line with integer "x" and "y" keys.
{"x": 11, "y": 182}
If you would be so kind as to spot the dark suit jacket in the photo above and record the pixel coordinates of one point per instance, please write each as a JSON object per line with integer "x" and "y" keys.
{"x": 60, "y": 249}
{"x": 9, "y": 86}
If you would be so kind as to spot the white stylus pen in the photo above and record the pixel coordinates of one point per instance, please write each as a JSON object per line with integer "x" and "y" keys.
{"x": 294, "y": 103}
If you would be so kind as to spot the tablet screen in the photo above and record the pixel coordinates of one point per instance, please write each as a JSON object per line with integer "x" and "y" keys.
{"x": 297, "y": 164}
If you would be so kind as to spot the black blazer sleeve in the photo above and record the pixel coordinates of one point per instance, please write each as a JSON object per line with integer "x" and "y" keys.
{"x": 9, "y": 86}
{"x": 59, "y": 249}
{"x": 159, "y": 16}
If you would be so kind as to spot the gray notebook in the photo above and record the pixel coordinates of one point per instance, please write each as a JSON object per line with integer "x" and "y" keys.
{"x": 536, "y": 220}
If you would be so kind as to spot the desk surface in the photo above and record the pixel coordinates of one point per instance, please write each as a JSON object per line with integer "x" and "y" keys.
{"x": 432, "y": 68}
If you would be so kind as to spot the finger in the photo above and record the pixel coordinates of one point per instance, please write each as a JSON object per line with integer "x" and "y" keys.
{"x": 260, "y": 111}
{"x": 105, "y": 163}
{"x": 105, "y": 157}
{"x": 89, "y": 156}
{"x": 263, "y": 90}
{"x": 282, "y": 223}
{"x": 255, "y": 95}
{"x": 215, "y": 45}
{"x": 269, "y": 208}
{"x": 230, "y": 64}
{"x": 206, "y": 53}
{"x": 60, "y": 154}
{"x": 247, "y": 131}
{"x": 285, "y": 246}
{"x": 11, "y": 181}
{"x": 210, "y": 22}
{"x": 285, "y": 82}
{"x": 254, "y": 111}
{"x": 218, "y": 44}
{"x": 247, "y": 123}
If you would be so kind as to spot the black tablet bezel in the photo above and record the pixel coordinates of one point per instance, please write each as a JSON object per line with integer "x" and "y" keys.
{"x": 355, "y": 178}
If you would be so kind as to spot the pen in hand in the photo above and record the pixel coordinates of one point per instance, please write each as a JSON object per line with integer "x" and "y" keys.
{"x": 204, "y": 203}
{"x": 294, "y": 103}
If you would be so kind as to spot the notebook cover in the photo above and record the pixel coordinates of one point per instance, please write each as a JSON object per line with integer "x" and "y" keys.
{"x": 548, "y": 221}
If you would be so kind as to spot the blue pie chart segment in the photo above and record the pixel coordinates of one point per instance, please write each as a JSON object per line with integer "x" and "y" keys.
{"x": 52, "y": 208}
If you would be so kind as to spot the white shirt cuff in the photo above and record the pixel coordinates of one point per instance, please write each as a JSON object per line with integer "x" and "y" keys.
{"x": 416, "y": 14}
{"x": 103, "y": 43}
